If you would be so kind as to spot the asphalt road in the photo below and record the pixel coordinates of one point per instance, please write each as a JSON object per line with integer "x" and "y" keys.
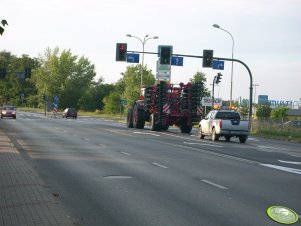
{"x": 107, "y": 174}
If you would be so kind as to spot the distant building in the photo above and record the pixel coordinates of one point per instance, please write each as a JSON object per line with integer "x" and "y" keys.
{"x": 294, "y": 114}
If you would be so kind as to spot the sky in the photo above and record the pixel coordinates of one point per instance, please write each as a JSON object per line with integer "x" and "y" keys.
{"x": 266, "y": 35}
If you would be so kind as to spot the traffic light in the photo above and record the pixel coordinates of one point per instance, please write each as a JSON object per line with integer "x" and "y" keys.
{"x": 165, "y": 54}
{"x": 2, "y": 73}
{"x": 207, "y": 58}
{"x": 27, "y": 72}
{"x": 121, "y": 50}
{"x": 218, "y": 78}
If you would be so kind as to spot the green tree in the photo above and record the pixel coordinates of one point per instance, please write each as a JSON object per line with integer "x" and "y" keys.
{"x": 263, "y": 111}
{"x": 15, "y": 84}
{"x": 200, "y": 78}
{"x": 112, "y": 103}
{"x": 279, "y": 113}
{"x": 131, "y": 82}
{"x": 63, "y": 74}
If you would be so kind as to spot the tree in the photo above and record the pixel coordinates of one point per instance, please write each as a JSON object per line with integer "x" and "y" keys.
{"x": 131, "y": 82}
{"x": 64, "y": 75}
{"x": 112, "y": 103}
{"x": 263, "y": 111}
{"x": 15, "y": 84}
{"x": 279, "y": 113}
{"x": 200, "y": 78}
{"x": 3, "y": 22}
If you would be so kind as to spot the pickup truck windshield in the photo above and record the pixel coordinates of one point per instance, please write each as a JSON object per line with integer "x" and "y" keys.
{"x": 227, "y": 115}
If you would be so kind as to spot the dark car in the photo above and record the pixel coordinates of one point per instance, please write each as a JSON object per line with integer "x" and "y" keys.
{"x": 70, "y": 113}
{"x": 8, "y": 111}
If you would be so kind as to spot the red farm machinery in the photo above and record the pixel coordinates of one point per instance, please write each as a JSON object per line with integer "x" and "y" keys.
{"x": 165, "y": 105}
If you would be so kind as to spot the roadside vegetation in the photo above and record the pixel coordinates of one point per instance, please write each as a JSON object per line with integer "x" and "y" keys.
{"x": 33, "y": 84}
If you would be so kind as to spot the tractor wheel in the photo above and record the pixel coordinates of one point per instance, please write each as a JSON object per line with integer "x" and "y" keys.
{"x": 129, "y": 119}
{"x": 138, "y": 117}
{"x": 154, "y": 123}
{"x": 202, "y": 136}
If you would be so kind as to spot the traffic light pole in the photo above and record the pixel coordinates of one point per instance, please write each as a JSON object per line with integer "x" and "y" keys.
{"x": 219, "y": 58}
{"x": 212, "y": 104}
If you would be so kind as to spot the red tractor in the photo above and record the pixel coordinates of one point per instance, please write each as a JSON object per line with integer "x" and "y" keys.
{"x": 164, "y": 105}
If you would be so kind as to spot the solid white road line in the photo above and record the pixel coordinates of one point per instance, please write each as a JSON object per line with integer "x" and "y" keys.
{"x": 287, "y": 169}
{"x": 214, "y": 184}
{"x": 125, "y": 153}
{"x": 159, "y": 165}
{"x": 157, "y": 135}
{"x": 289, "y": 162}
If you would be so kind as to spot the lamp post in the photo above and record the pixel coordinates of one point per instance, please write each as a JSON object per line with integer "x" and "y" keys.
{"x": 231, "y": 87}
{"x": 143, "y": 41}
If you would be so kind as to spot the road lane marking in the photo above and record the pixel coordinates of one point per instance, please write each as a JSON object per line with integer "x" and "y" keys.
{"x": 271, "y": 147}
{"x": 287, "y": 169}
{"x": 214, "y": 184}
{"x": 101, "y": 145}
{"x": 289, "y": 162}
{"x": 201, "y": 143}
{"x": 117, "y": 177}
{"x": 125, "y": 153}
{"x": 159, "y": 165}
{"x": 119, "y": 132}
{"x": 147, "y": 133}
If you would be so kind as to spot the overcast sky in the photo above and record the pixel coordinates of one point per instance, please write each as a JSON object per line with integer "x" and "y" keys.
{"x": 266, "y": 33}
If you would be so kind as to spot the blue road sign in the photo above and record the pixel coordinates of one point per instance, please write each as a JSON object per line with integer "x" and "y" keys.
{"x": 132, "y": 58}
{"x": 56, "y": 100}
{"x": 218, "y": 64}
{"x": 177, "y": 61}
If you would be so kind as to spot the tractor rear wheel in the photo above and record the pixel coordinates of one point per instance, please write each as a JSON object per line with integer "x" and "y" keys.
{"x": 138, "y": 117}
{"x": 129, "y": 118}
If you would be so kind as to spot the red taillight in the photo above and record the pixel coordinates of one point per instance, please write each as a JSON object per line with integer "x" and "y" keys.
{"x": 220, "y": 123}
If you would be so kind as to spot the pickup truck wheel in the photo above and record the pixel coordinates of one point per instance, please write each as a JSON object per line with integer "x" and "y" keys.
{"x": 227, "y": 138}
{"x": 243, "y": 139}
{"x": 214, "y": 135}
{"x": 200, "y": 133}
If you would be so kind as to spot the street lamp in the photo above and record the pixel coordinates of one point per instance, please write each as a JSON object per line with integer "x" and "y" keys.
{"x": 143, "y": 41}
{"x": 231, "y": 88}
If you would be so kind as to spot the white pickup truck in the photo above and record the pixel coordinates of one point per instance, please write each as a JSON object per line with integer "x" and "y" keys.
{"x": 225, "y": 123}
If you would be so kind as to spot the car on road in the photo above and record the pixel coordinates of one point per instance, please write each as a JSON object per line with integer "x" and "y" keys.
{"x": 70, "y": 113}
{"x": 8, "y": 112}
{"x": 226, "y": 123}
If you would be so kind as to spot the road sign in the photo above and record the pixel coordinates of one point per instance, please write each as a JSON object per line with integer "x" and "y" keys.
{"x": 56, "y": 100}
{"x": 132, "y": 58}
{"x": 123, "y": 102}
{"x": 177, "y": 61}
{"x": 218, "y": 64}
{"x": 263, "y": 99}
{"x": 163, "y": 72}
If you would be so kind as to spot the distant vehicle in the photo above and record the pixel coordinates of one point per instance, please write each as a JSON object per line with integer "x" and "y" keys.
{"x": 225, "y": 123}
{"x": 70, "y": 113}
{"x": 293, "y": 123}
{"x": 8, "y": 112}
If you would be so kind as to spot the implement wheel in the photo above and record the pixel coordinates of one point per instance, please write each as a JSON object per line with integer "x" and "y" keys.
{"x": 154, "y": 122}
